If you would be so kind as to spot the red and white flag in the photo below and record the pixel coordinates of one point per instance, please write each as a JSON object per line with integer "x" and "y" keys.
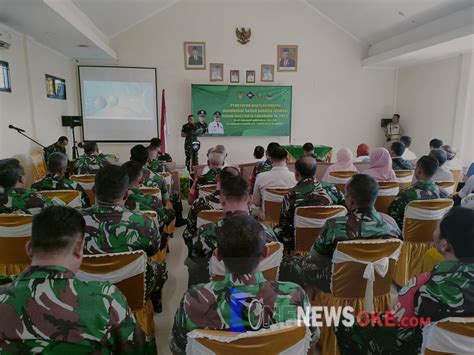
{"x": 164, "y": 132}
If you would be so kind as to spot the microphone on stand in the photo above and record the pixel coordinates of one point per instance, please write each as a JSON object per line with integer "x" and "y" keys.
{"x": 16, "y": 128}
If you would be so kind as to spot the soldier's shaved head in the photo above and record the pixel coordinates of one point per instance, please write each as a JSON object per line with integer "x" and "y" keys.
{"x": 10, "y": 172}
{"x": 57, "y": 163}
{"x": 306, "y": 166}
{"x": 235, "y": 188}
{"x": 361, "y": 191}
{"x": 111, "y": 184}
{"x": 134, "y": 171}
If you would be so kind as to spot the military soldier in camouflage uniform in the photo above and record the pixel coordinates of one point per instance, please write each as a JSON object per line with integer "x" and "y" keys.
{"x": 362, "y": 222}
{"x": 14, "y": 196}
{"x": 47, "y": 310}
{"x": 215, "y": 162}
{"x": 55, "y": 180}
{"x": 154, "y": 164}
{"x": 112, "y": 228}
{"x": 423, "y": 189}
{"x": 307, "y": 192}
{"x": 234, "y": 200}
{"x": 227, "y": 304}
{"x": 189, "y": 132}
{"x": 58, "y": 147}
{"x": 91, "y": 161}
{"x": 162, "y": 156}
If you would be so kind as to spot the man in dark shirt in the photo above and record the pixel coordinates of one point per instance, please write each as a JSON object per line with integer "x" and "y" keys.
{"x": 398, "y": 163}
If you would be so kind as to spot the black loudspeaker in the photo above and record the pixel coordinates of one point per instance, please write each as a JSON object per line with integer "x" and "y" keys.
{"x": 384, "y": 122}
{"x": 72, "y": 121}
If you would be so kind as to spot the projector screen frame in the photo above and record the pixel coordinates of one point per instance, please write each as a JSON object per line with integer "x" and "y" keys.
{"x": 125, "y": 67}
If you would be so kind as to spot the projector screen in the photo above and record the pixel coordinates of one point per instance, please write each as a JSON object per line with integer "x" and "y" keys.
{"x": 118, "y": 103}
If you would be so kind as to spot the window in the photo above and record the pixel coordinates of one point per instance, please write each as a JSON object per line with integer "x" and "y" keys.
{"x": 5, "y": 77}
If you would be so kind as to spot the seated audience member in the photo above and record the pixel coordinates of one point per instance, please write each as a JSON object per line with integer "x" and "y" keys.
{"x": 398, "y": 163}
{"x": 423, "y": 189}
{"x": 466, "y": 190}
{"x": 362, "y": 153}
{"x": 56, "y": 180}
{"x": 112, "y": 228}
{"x": 442, "y": 174}
{"x": 308, "y": 150}
{"x": 448, "y": 291}
{"x": 362, "y": 222}
{"x": 137, "y": 200}
{"x": 380, "y": 167}
{"x": 46, "y": 309}
{"x": 343, "y": 163}
{"x": 452, "y": 163}
{"x": 258, "y": 153}
{"x": 436, "y": 144}
{"x": 150, "y": 179}
{"x": 154, "y": 164}
{"x": 241, "y": 246}
{"x": 215, "y": 163}
{"x": 58, "y": 147}
{"x": 162, "y": 156}
{"x": 217, "y": 149}
{"x": 279, "y": 176}
{"x": 407, "y": 154}
{"x": 210, "y": 202}
{"x": 14, "y": 196}
{"x": 307, "y": 192}
{"x": 235, "y": 202}
{"x": 91, "y": 161}
{"x": 261, "y": 167}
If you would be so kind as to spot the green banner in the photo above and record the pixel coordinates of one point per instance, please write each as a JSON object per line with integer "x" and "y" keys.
{"x": 247, "y": 110}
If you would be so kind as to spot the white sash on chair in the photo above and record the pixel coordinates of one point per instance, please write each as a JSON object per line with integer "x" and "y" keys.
{"x": 272, "y": 197}
{"x": 337, "y": 180}
{"x": 405, "y": 179}
{"x": 468, "y": 201}
{"x": 379, "y": 266}
{"x": 308, "y": 222}
{"x": 442, "y": 340}
{"x": 389, "y": 192}
{"x": 425, "y": 214}
{"x": 23, "y": 230}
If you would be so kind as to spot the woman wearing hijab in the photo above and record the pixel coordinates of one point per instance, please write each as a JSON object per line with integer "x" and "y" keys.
{"x": 343, "y": 163}
{"x": 362, "y": 153}
{"x": 380, "y": 167}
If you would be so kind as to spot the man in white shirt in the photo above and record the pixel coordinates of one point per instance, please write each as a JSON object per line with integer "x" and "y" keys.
{"x": 407, "y": 154}
{"x": 216, "y": 126}
{"x": 452, "y": 163}
{"x": 279, "y": 176}
{"x": 442, "y": 174}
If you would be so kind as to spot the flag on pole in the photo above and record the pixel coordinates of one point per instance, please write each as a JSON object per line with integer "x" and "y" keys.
{"x": 164, "y": 132}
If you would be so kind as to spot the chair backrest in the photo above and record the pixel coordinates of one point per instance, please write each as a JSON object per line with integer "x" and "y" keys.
{"x": 468, "y": 201}
{"x": 206, "y": 190}
{"x": 309, "y": 221}
{"x": 449, "y": 336}
{"x": 421, "y": 218}
{"x": 456, "y": 178}
{"x": 39, "y": 164}
{"x": 361, "y": 166}
{"x": 272, "y": 201}
{"x": 340, "y": 178}
{"x": 364, "y": 268}
{"x": 87, "y": 182}
{"x": 448, "y": 186}
{"x": 279, "y": 339}
{"x": 70, "y": 198}
{"x": 171, "y": 165}
{"x": 404, "y": 178}
{"x": 168, "y": 180}
{"x": 209, "y": 216}
{"x": 153, "y": 191}
{"x": 388, "y": 190}
{"x": 270, "y": 266}
{"x": 246, "y": 170}
{"x": 197, "y": 169}
{"x": 125, "y": 270}
{"x": 15, "y": 232}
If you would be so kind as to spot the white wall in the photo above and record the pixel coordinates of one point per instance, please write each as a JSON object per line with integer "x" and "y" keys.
{"x": 27, "y": 105}
{"x": 335, "y": 101}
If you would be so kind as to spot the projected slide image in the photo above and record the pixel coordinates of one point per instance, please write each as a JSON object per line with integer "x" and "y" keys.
{"x": 118, "y": 100}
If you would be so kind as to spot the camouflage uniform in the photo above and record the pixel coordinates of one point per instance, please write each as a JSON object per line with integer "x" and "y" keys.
{"x": 224, "y": 305}
{"x": 90, "y": 164}
{"x": 189, "y": 131}
{"x": 202, "y": 126}
{"x": 58, "y": 182}
{"x": 46, "y": 310}
{"x": 260, "y": 167}
{"x": 203, "y": 244}
{"x": 307, "y": 192}
{"x": 117, "y": 229}
{"x": 315, "y": 269}
{"x": 449, "y": 292}
{"x": 151, "y": 179}
{"x": 421, "y": 190}
{"x": 53, "y": 148}
{"x": 157, "y": 166}
{"x": 401, "y": 164}
{"x": 209, "y": 178}
{"x": 17, "y": 200}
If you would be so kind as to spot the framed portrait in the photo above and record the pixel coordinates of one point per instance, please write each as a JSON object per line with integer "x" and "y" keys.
{"x": 55, "y": 87}
{"x": 216, "y": 72}
{"x": 234, "y": 76}
{"x": 287, "y": 57}
{"x": 250, "y": 76}
{"x": 194, "y": 55}
{"x": 267, "y": 73}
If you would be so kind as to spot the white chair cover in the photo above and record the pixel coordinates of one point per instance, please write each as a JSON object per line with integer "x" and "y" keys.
{"x": 158, "y": 194}
{"x": 449, "y": 189}
{"x": 23, "y": 230}
{"x": 217, "y": 267}
{"x": 307, "y": 222}
{"x": 389, "y": 192}
{"x": 438, "y": 339}
{"x": 379, "y": 266}
{"x": 272, "y": 197}
{"x": 75, "y": 203}
{"x": 168, "y": 179}
{"x": 85, "y": 185}
{"x": 405, "y": 179}
{"x": 468, "y": 201}
{"x": 425, "y": 214}
{"x": 203, "y": 192}
{"x": 337, "y": 180}
{"x": 201, "y": 221}
{"x": 195, "y": 348}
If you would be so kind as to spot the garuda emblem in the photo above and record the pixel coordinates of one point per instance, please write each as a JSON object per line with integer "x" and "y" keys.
{"x": 243, "y": 35}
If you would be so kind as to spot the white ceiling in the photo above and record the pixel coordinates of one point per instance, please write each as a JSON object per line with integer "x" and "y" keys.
{"x": 375, "y": 20}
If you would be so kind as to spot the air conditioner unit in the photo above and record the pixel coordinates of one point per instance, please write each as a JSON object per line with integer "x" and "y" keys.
{"x": 5, "y": 40}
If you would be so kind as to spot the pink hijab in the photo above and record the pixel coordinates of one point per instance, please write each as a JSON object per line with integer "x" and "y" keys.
{"x": 380, "y": 167}
{"x": 343, "y": 163}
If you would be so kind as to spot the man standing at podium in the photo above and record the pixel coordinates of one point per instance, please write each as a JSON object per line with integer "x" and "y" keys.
{"x": 189, "y": 132}
{"x": 393, "y": 131}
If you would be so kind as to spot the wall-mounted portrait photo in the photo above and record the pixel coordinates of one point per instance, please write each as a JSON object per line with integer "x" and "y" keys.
{"x": 234, "y": 76}
{"x": 216, "y": 72}
{"x": 267, "y": 73}
{"x": 250, "y": 76}
{"x": 194, "y": 55}
{"x": 287, "y": 57}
